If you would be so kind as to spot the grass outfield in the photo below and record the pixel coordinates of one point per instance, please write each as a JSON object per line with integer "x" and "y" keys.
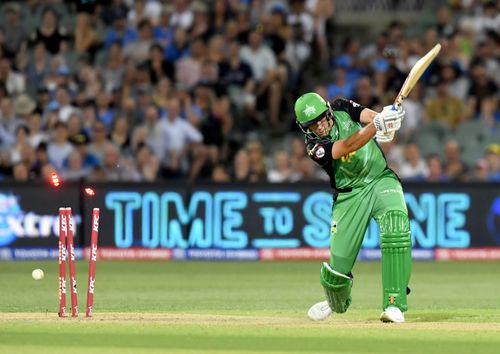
{"x": 226, "y": 307}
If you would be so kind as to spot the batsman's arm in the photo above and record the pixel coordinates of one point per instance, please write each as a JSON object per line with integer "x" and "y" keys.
{"x": 367, "y": 116}
{"x": 354, "y": 142}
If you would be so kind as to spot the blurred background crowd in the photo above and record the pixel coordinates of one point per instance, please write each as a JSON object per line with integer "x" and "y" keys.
{"x": 146, "y": 90}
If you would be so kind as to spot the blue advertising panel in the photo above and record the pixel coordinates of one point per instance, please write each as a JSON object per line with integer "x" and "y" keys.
{"x": 235, "y": 221}
{"x": 29, "y": 212}
{"x": 284, "y": 216}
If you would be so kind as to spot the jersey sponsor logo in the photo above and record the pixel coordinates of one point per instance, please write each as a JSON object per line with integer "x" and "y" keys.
{"x": 348, "y": 158}
{"x": 309, "y": 110}
{"x": 320, "y": 152}
{"x": 333, "y": 228}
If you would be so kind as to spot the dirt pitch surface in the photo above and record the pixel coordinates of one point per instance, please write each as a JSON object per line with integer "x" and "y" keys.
{"x": 260, "y": 321}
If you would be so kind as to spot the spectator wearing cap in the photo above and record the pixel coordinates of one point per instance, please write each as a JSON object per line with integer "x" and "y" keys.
{"x": 163, "y": 32}
{"x": 24, "y": 106}
{"x": 59, "y": 148}
{"x": 88, "y": 161}
{"x": 50, "y": 32}
{"x": 138, "y": 50}
{"x": 38, "y": 67}
{"x": 15, "y": 34}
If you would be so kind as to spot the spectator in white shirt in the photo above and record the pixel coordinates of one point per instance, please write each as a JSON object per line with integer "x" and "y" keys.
{"x": 184, "y": 143}
{"x": 414, "y": 166}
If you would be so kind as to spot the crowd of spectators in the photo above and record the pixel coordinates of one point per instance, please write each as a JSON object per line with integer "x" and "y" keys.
{"x": 148, "y": 90}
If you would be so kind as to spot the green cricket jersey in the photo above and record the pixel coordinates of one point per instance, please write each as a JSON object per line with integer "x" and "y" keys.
{"x": 353, "y": 170}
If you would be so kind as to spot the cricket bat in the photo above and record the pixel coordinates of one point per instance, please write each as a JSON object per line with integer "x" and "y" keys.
{"x": 415, "y": 74}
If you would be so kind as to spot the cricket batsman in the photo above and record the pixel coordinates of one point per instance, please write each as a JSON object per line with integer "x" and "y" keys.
{"x": 339, "y": 137}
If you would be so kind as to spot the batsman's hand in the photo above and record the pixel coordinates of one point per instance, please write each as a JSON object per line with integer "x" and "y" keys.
{"x": 384, "y": 137}
{"x": 389, "y": 120}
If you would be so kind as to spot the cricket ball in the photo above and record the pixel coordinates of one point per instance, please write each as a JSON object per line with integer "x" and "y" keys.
{"x": 37, "y": 274}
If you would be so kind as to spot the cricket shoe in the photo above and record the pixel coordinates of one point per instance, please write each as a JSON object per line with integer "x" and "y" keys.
{"x": 319, "y": 311}
{"x": 392, "y": 314}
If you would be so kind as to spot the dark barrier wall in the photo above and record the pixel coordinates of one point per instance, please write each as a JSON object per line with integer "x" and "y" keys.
{"x": 214, "y": 216}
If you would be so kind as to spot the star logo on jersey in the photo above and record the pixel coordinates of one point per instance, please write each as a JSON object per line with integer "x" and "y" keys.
{"x": 309, "y": 110}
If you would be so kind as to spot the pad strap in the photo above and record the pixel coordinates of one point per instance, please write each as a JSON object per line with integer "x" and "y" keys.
{"x": 337, "y": 288}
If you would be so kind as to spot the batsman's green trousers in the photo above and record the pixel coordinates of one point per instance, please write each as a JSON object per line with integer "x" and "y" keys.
{"x": 382, "y": 199}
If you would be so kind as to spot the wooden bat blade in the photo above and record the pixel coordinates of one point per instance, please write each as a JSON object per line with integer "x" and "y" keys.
{"x": 415, "y": 74}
